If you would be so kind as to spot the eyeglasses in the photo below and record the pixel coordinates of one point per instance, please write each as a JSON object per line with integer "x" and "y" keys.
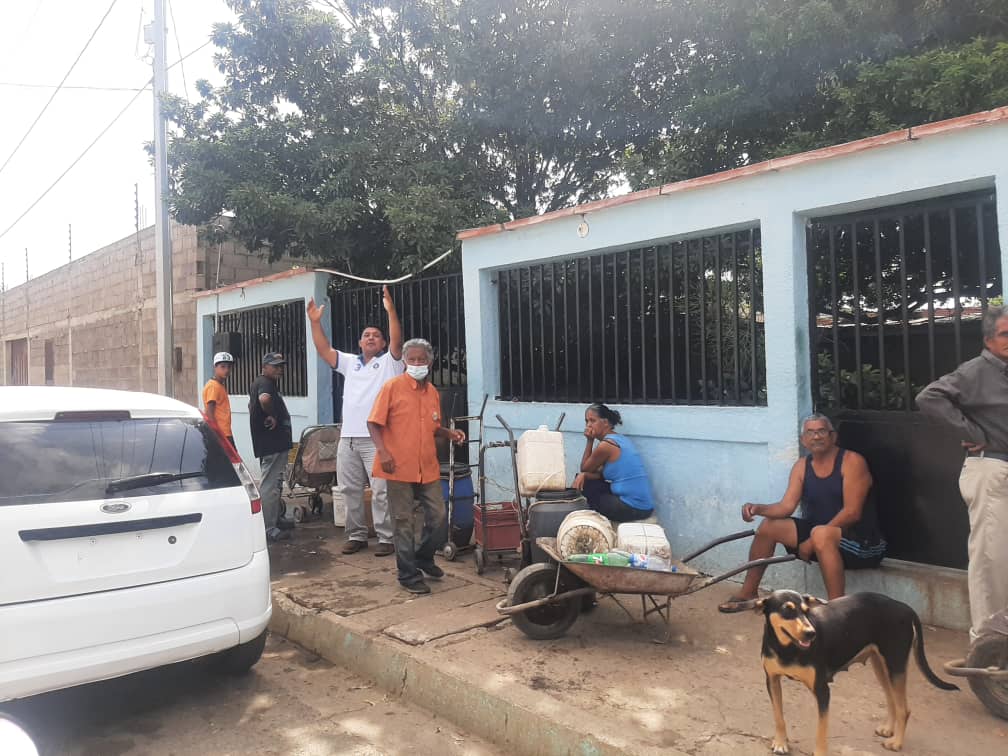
{"x": 817, "y": 432}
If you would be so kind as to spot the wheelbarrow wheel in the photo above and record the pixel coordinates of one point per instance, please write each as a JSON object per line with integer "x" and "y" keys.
{"x": 449, "y": 551}
{"x": 990, "y": 650}
{"x": 544, "y": 622}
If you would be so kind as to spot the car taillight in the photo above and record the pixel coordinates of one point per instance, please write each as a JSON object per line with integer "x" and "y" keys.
{"x": 248, "y": 483}
{"x": 250, "y": 487}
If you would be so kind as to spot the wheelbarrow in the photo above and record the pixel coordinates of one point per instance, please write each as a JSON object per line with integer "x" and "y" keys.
{"x": 544, "y": 599}
{"x": 986, "y": 665}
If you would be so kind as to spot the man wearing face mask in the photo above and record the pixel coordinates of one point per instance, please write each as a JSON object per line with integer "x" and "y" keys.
{"x": 405, "y": 420}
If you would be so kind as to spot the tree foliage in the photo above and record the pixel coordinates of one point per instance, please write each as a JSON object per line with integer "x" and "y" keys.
{"x": 366, "y": 132}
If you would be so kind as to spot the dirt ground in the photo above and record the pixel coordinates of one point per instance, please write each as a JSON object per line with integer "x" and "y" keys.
{"x": 700, "y": 692}
{"x": 292, "y": 703}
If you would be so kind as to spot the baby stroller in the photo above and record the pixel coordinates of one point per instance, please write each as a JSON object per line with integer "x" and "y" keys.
{"x": 314, "y": 468}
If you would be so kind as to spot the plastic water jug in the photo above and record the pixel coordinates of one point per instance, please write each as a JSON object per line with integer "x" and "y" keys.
{"x": 541, "y": 465}
{"x": 338, "y": 508}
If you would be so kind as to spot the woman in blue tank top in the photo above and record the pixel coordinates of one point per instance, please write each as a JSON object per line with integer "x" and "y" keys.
{"x": 612, "y": 474}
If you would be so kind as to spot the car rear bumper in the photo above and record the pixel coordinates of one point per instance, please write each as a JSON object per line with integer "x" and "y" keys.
{"x": 47, "y": 645}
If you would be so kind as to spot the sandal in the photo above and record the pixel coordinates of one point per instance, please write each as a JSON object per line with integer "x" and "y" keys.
{"x": 735, "y": 604}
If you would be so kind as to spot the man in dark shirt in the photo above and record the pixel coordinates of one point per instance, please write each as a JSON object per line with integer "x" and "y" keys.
{"x": 973, "y": 400}
{"x": 270, "y": 425}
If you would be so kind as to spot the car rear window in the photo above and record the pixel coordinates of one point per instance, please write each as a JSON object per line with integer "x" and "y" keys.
{"x": 75, "y": 460}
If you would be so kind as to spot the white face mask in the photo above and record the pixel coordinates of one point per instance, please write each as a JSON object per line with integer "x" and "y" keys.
{"x": 417, "y": 372}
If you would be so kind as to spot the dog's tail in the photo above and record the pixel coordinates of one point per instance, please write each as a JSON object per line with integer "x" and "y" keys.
{"x": 922, "y": 662}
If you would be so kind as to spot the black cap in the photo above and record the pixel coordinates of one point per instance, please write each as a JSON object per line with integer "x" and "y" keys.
{"x": 274, "y": 358}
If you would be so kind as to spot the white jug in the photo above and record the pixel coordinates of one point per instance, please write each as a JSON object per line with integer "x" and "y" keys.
{"x": 541, "y": 465}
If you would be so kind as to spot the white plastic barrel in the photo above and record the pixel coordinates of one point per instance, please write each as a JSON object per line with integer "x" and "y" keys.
{"x": 585, "y": 532}
{"x": 338, "y": 508}
{"x": 541, "y": 465}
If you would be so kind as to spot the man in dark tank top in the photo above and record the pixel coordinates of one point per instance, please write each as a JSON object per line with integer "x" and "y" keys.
{"x": 837, "y": 526}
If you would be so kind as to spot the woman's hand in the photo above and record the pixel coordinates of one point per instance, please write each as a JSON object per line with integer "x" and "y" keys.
{"x": 579, "y": 481}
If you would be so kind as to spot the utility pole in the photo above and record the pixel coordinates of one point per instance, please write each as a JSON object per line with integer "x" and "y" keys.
{"x": 157, "y": 35}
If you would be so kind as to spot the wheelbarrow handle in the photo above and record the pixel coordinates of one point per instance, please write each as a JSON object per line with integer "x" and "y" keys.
{"x": 747, "y": 566}
{"x": 718, "y": 541}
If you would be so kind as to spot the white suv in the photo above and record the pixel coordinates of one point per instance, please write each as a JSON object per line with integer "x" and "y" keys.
{"x": 131, "y": 536}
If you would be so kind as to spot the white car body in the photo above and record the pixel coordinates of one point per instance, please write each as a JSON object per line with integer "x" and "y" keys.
{"x": 100, "y": 580}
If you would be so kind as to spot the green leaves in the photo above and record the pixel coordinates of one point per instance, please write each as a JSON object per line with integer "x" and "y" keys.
{"x": 364, "y": 133}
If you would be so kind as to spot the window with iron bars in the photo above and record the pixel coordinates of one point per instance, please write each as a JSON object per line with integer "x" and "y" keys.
{"x": 677, "y": 323}
{"x": 897, "y": 296}
{"x": 274, "y": 328}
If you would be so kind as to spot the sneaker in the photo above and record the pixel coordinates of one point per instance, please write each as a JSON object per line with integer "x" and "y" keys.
{"x": 384, "y": 549}
{"x": 418, "y": 588}
{"x": 352, "y": 547}
{"x": 433, "y": 572}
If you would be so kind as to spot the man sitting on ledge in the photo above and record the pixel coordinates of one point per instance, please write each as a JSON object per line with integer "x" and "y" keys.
{"x": 838, "y": 527}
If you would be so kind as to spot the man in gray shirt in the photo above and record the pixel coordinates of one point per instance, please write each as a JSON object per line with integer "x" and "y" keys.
{"x": 974, "y": 401}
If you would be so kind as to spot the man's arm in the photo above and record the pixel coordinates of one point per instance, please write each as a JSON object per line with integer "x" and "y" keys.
{"x": 787, "y": 505}
{"x": 941, "y": 401}
{"x": 385, "y": 459}
{"x": 394, "y": 326}
{"x": 857, "y": 482}
{"x": 322, "y": 346}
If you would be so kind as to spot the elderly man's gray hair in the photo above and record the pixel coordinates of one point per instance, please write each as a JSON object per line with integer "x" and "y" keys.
{"x": 813, "y": 418}
{"x": 418, "y": 344}
{"x": 990, "y": 319}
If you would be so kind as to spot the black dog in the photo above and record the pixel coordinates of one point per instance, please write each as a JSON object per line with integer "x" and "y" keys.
{"x": 810, "y": 640}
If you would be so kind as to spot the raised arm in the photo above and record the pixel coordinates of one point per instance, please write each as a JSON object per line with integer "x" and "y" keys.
{"x": 322, "y": 346}
{"x": 787, "y": 505}
{"x": 394, "y": 326}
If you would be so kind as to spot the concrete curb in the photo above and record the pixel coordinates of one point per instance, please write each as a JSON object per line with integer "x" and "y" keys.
{"x": 523, "y": 728}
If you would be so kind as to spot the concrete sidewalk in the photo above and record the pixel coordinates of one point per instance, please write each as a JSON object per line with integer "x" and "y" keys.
{"x": 605, "y": 688}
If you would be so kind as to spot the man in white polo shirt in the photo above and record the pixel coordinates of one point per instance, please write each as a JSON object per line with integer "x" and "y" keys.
{"x": 365, "y": 374}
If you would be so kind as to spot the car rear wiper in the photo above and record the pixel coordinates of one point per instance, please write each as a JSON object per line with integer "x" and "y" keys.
{"x": 149, "y": 479}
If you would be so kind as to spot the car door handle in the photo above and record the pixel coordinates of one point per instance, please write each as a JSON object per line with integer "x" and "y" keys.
{"x": 108, "y": 528}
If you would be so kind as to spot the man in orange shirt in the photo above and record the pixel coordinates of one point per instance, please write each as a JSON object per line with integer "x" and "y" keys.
{"x": 404, "y": 420}
{"x": 215, "y": 396}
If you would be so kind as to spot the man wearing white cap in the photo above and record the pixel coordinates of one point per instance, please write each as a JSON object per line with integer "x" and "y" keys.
{"x": 216, "y": 403}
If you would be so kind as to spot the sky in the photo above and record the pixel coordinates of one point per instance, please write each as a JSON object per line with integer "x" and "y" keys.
{"x": 39, "y": 40}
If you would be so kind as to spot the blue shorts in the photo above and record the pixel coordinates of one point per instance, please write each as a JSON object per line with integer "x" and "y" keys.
{"x": 857, "y": 552}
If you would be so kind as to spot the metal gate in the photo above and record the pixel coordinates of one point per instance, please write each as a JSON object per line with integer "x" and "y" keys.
{"x": 896, "y": 297}
{"x": 430, "y": 308}
{"x": 18, "y": 362}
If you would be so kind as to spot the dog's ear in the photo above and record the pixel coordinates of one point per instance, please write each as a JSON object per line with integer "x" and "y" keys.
{"x": 814, "y": 600}
{"x": 755, "y": 605}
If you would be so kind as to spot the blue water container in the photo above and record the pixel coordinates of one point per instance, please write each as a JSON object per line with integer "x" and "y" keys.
{"x": 462, "y": 509}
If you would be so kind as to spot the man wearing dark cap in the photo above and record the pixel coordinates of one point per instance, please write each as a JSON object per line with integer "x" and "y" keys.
{"x": 270, "y": 425}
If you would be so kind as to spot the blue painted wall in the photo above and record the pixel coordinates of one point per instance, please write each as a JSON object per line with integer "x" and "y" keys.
{"x": 705, "y": 462}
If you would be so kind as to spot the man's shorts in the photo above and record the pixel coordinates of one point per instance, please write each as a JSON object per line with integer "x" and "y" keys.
{"x": 857, "y": 553}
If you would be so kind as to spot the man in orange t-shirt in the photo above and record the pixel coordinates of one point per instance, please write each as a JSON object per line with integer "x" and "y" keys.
{"x": 215, "y": 396}
{"x": 404, "y": 420}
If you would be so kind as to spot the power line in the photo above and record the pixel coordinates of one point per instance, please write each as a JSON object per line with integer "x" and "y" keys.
{"x": 87, "y": 149}
{"x": 98, "y": 88}
{"x": 30, "y": 85}
{"x": 56, "y": 92}
{"x": 178, "y": 46}
{"x": 80, "y": 157}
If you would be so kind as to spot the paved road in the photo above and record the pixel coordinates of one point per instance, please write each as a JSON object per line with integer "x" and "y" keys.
{"x": 292, "y": 703}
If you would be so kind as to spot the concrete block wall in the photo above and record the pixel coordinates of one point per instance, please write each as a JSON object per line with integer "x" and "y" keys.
{"x": 100, "y": 311}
